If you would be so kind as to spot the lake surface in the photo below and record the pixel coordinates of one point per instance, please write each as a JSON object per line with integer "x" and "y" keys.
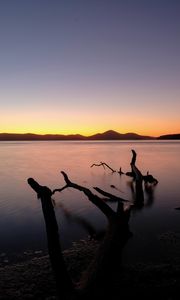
{"x": 21, "y": 221}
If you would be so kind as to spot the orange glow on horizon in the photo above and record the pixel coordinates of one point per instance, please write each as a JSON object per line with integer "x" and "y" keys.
{"x": 90, "y": 131}
{"x": 87, "y": 123}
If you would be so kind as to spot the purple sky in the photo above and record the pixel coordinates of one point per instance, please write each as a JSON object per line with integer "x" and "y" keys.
{"x": 85, "y": 66}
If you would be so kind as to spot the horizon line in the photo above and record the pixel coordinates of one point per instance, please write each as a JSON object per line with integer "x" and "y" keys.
{"x": 74, "y": 134}
{"x": 84, "y": 135}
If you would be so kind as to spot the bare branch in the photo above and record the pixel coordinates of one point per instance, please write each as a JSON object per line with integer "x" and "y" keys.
{"x": 120, "y": 171}
{"x": 109, "y": 213}
{"x": 133, "y": 161}
{"x": 60, "y": 190}
{"x": 139, "y": 198}
{"x": 137, "y": 173}
{"x": 103, "y": 164}
{"x": 150, "y": 179}
{"x": 110, "y": 196}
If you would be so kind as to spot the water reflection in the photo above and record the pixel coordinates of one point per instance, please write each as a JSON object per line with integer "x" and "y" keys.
{"x": 92, "y": 232}
{"x": 149, "y": 190}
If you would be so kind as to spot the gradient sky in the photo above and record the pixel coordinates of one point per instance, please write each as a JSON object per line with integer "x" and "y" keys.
{"x": 86, "y": 66}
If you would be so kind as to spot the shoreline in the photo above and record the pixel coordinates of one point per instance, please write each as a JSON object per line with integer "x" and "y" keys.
{"x": 33, "y": 279}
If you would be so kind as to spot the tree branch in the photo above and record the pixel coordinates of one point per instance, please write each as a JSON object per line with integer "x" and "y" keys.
{"x": 109, "y": 213}
{"x": 110, "y": 196}
{"x": 103, "y": 164}
{"x": 63, "y": 281}
{"x": 138, "y": 180}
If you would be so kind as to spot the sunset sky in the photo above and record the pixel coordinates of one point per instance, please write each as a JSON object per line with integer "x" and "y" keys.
{"x": 87, "y": 66}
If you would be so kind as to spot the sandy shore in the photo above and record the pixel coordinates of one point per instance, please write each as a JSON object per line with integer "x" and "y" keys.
{"x": 33, "y": 279}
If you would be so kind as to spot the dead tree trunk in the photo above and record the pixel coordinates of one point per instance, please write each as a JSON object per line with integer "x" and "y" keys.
{"x": 63, "y": 282}
{"x": 107, "y": 262}
{"x": 138, "y": 180}
{"x": 108, "y": 257}
{"x": 109, "y": 251}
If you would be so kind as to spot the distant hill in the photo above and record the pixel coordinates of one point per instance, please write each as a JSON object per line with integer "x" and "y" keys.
{"x": 108, "y": 135}
{"x": 38, "y": 137}
{"x": 113, "y": 135}
{"x": 169, "y": 137}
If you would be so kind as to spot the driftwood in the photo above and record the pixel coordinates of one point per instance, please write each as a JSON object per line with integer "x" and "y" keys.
{"x": 63, "y": 281}
{"x": 109, "y": 196}
{"x": 106, "y": 210}
{"x": 146, "y": 178}
{"x": 109, "y": 252}
{"x": 96, "y": 281}
{"x": 150, "y": 179}
{"x": 138, "y": 179}
{"x": 117, "y": 234}
{"x": 104, "y": 165}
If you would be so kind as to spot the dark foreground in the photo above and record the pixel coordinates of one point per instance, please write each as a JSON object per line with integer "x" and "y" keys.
{"x": 33, "y": 279}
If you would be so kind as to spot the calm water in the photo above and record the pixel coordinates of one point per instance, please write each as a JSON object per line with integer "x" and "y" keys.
{"x": 21, "y": 221}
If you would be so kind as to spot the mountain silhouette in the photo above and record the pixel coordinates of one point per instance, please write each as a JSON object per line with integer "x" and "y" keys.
{"x": 170, "y": 137}
{"x": 107, "y": 135}
{"x": 113, "y": 135}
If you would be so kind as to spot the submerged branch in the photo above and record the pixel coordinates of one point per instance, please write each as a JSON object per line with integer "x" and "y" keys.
{"x": 139, "y": 198}
{"x": 134, "y": 155}
{"x": 150, "y": 179}
{"x": 103, "y": 164}
{"x": 110, "y": 196}
{"x": 92, "y": 197}
{"x": 120, "y": 171}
